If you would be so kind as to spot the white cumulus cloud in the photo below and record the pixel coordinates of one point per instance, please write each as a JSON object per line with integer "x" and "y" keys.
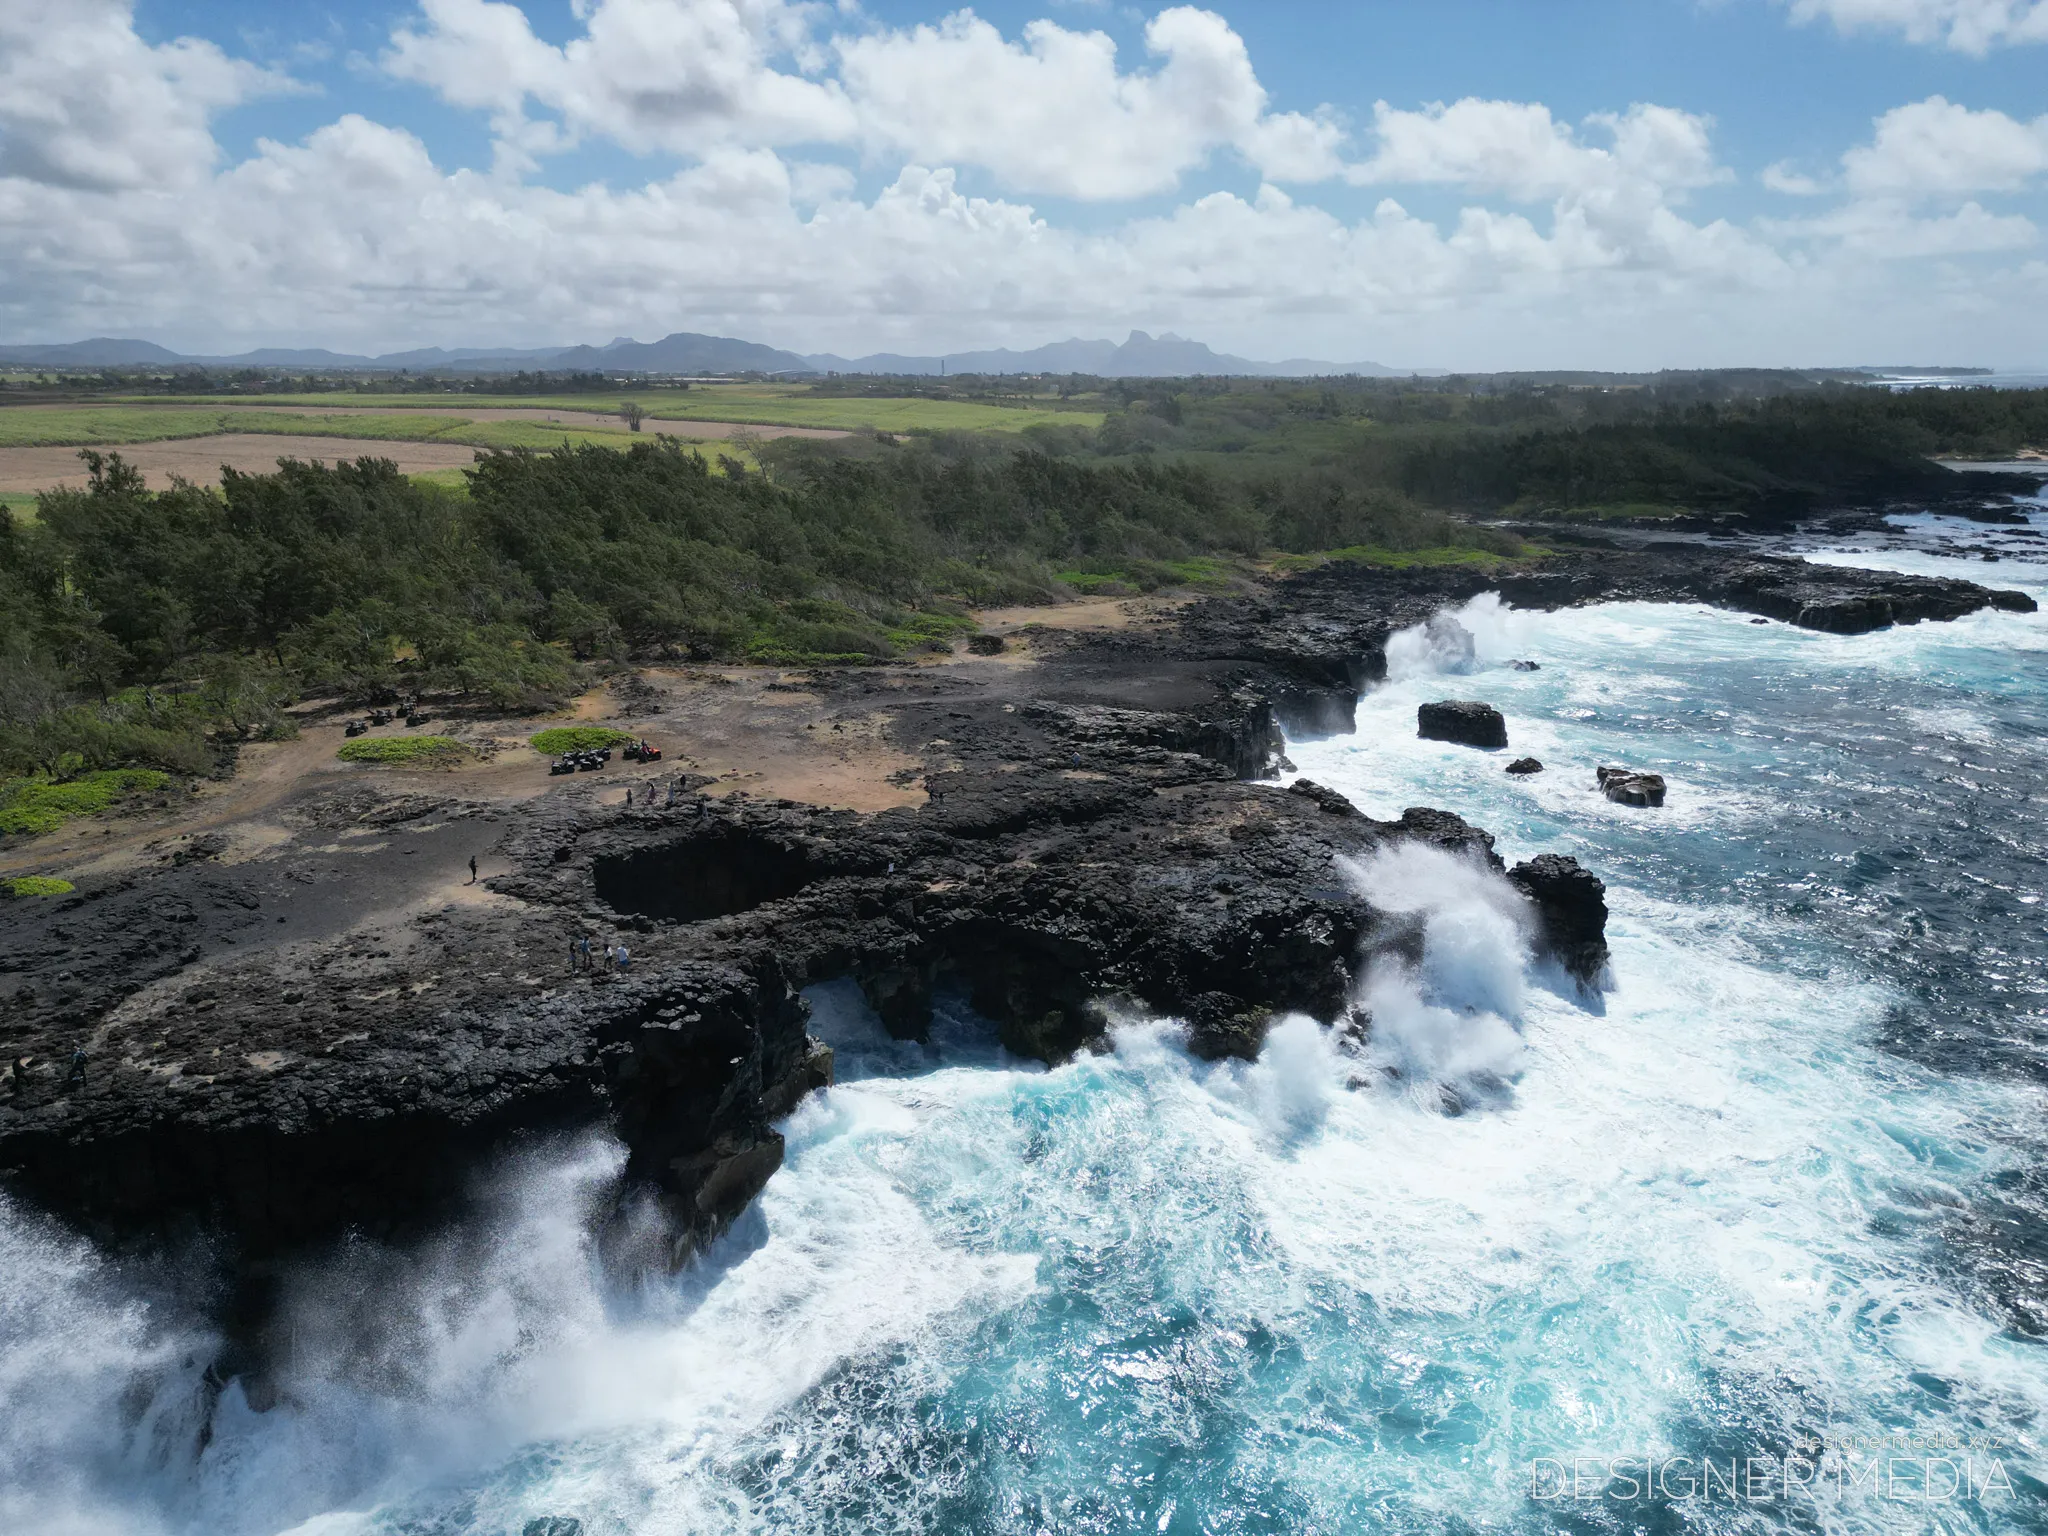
{"x": 1935, "y": 146}
{"x": 1052, "y": 112}
{"x": 84, "y": 102}
{"x": 1569, "y": 243}
{"x": 1968, "y": 26}
{"x": 1518, "y": 149}
{"x": 674, "y": 75}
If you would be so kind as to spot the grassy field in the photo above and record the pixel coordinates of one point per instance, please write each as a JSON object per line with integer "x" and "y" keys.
{"x": 115, "y": 425}
{"x": 765, "y": 405}
{"x": 21, "y": 503}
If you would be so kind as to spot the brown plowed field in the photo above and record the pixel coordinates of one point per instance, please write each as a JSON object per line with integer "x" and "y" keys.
{"x": 199, "y": 459}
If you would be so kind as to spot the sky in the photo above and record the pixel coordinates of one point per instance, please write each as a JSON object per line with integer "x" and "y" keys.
{"x": 1468, "y": 184}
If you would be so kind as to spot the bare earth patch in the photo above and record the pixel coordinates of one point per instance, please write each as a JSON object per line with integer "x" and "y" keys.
{"x": 199, "y": 459}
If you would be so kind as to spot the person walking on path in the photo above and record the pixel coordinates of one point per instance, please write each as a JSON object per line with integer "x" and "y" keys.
{"x": 472, "y": 869}
{"x": 573, "y": 966}
{"x": 625, "y": 959}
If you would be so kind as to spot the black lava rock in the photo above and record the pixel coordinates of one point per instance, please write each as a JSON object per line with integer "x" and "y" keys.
{"x": 1571, "y": 912}
{"x": 1625, "y": 786}
{"x": 1464, "y": 721}
{"x": 1524, "y": 765}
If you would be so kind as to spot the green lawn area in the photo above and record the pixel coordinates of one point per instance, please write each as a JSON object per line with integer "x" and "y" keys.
{"x": 36, "y": 885}
{"x": 32, "y": 806}
{"x": 1114, "y": 579}
{"x": 764, "y": 405}
{"x": 114, "y": 425}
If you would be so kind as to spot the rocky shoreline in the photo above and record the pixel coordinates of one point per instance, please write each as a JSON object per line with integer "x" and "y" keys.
{"x": 225, "y": 1051}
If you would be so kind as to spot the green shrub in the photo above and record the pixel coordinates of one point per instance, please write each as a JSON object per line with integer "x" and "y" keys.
{"x": 578, "y": 738}
{"x": 36, "y": 885}
{"x": 29, "y": 807}
{"x": 1401, "y": 559}
{"x": 405, "y": 751}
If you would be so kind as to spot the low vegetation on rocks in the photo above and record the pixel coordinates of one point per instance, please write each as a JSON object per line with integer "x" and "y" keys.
{"x": 30, "y": 806}
{"x": 36, "y": 885}
{"x": 558, "y": 739}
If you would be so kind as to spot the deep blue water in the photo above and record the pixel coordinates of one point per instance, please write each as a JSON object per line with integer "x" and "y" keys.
{"x": 1777, "y": 1189}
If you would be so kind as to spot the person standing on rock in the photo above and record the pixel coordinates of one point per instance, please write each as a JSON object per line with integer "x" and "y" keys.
{"x": 472, "y": 869}
{"x": 625, "y": 960}
{"x": 573, "y": 942}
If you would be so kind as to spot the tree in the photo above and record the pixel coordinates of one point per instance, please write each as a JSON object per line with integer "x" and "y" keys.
{"x": 632, "y": 415}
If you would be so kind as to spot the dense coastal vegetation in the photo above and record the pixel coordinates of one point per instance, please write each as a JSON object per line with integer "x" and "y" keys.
{"x": 139, "y": 627}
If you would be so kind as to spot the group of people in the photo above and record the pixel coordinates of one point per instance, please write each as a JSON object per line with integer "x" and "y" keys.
{"x": 585, "y": 955}
{"x": 648, "y": 794}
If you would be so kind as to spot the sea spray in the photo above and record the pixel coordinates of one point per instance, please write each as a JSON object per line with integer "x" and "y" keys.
{"x": 1144, "y": 1292}
{"x": 1456, "y": 642}
{"x": 1445, "y": 1018}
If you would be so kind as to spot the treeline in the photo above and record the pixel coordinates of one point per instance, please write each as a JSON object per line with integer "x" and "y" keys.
{"x": 273, "y": 381}
{"x": 1562, "y": 450}
{"x": 135, "y": 625}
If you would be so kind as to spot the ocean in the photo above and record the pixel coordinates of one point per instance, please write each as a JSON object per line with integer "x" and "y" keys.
{"x": 1753, "y": 1238}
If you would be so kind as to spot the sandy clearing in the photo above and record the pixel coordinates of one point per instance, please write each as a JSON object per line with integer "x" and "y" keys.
{"x": 199, "y": 459}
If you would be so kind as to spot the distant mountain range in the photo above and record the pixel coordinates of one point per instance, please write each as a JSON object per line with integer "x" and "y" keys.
{"x": 1139, "y": 356}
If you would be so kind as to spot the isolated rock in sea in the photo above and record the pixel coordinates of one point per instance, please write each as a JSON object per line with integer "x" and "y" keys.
{"x": 1465, "y": 721}
{"x": 1526, "y": 666}
{"x": 1625, "y": 786}
{"x": 1571, "y": 912}
{"x": 1524, "y": 765}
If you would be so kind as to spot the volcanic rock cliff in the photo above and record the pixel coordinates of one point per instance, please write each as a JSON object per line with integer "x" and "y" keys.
{"x": 1090, "y": 837}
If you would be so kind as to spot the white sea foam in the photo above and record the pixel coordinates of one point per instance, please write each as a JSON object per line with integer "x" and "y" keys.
{"x": 1142, "y": 1289}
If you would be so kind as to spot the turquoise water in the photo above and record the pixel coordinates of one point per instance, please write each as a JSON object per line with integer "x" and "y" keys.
{"x": 1775, "y": 1187}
